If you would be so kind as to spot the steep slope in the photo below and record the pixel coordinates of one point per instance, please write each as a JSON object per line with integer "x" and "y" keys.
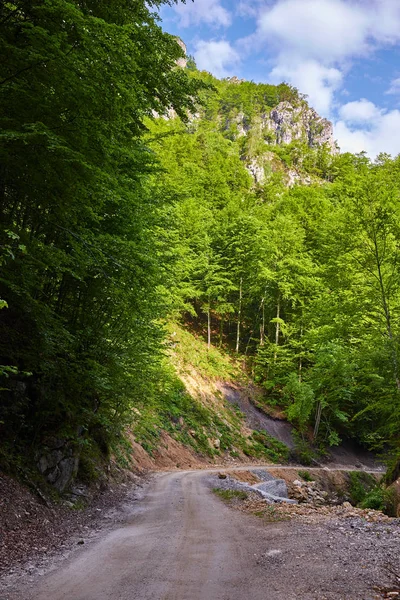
{"x": 198, "y": 422}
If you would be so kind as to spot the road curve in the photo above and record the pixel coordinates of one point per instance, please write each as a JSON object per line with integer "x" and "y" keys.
{"x": 181, "y": 542}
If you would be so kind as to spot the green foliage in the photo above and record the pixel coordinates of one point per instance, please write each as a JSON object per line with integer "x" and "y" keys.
{"x": 303, "y": 451}
{"x": 306, "y": 475}
{"x": 80, "y": 268}
{"x": 190, "y": 351}
{"x": 361, "y": 484}
{"x": 299, "y": 399}
{"x": 302, "y": 281}
{"x": 367, "y": 493}
{"x": 381, "y": 499}
{"x": 113, "y": 221}
{"x": 186, "y": 419}
{"x": 263, "y": 445}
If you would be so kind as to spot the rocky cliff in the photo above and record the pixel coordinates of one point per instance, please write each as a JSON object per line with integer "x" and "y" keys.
{"x": 260, "y": 119}
{"x": 287, "y": 123}
{"x": 283, "y": 125}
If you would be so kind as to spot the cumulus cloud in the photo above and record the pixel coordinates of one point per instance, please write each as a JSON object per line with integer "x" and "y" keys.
{"x": 218, "y": 57}
{"x": 314, "y": 41}
{"x": 360, "y": 111}
{"x": 317, "y": 29}
{"x": 249, "y": 8}
{"x": 311, "y": 44}
{"x": 365, "y": 127}
{"x": 210, "y": 12}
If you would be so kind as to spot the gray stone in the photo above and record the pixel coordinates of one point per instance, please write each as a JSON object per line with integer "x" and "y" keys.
{"x": 263, "y": 474}
{"x": 276, "y": 487}
{"x": 53, "y": 475}
{"x": 68, "y": 469}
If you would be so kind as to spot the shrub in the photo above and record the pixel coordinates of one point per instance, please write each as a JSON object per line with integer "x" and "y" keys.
{"x": 382, "y": 499}
{"x": 360, "y": 485}
{"x": 305, "y": 475}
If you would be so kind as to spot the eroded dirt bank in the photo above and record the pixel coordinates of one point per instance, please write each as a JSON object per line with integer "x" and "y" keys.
{"x": 181, "y": 542}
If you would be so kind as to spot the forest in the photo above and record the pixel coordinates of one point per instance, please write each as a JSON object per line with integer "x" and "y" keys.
{"x": 127, "y": 203}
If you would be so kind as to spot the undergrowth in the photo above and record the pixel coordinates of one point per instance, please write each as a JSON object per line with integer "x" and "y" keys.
{"x": 186, "y": 419}
{"x": 263, "y": 445}
{"x": 209, "y": 430}
{"x": 365, "y": 492}
{"x": 191, "y": 352}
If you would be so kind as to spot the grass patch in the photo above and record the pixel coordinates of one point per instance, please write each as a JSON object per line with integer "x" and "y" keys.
{"x": 305, "y": 475}
{"x": 229, "y": 495}
{"x": 262, "y": 445}
{"x": 173, "y": 410}
{"x": 269, "y": 514}
{"x": 189, "y": 351}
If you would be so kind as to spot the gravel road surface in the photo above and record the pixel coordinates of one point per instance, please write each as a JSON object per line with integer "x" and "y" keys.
{"x": 181, "y": 542}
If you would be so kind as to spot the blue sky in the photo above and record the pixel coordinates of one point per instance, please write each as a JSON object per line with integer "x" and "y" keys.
{"x": 344, "y": 54}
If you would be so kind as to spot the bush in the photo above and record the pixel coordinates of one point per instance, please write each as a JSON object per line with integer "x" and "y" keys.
{"x": 303, "y": 452}
{"x": 360, "y": 485}
{"x": 263, "y": 445}
{"x": 305, "y": 475}
{"x": 381, "y": 499}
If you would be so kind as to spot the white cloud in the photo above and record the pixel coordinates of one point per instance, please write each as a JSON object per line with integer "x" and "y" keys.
{"x": 394, "y": 87}
{"x": 360, "y": 111}
{"x": 314, "y": 41}
{"x": 311, "y": 78}
{"x": 365, "y": 127}
{"x": 218, "y": 57}
{"x": 249, "y": 8}
{"x": 210, "y": 12}
{"x": 316, "y": 29}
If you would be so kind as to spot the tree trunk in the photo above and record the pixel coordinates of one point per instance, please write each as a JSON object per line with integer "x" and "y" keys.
{"x": 239, "y": 316}
{"x": 262, "y": 326}
{"x": 277, "y": 329}
{"x": 317, "y": 420}
{"x": 300, "y": 358}
{"x": 209, "y": 325}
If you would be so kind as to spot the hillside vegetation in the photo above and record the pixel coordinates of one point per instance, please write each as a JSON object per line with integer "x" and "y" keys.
{"x": 136, "y": 196}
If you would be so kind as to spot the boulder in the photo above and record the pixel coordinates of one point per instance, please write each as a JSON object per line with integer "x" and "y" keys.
{"x": 276, "y": 487}
{"x": 58, "y": 463}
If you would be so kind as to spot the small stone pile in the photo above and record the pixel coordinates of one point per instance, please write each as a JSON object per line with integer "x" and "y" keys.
{"x": 309, "y": 492}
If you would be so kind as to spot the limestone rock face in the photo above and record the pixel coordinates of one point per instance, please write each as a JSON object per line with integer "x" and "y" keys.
{"x": 256, "y": 170}
{"x": 290, "y": 123}
{"x": 283, "y": 125}
{"x": 182, "y": 62}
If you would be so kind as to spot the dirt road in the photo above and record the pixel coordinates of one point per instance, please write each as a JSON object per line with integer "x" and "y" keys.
{"x": 181, "y": 542}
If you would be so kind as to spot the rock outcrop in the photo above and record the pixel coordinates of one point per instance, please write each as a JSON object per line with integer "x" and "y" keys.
{"x": 290, "y": 123}
{"x": 182, "y": 62}
{"x": 286, "y": 123}
{"x": 58, "y": 463}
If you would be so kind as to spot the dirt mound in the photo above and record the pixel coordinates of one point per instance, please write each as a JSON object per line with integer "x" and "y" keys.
{"x": 170, "y": 454}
